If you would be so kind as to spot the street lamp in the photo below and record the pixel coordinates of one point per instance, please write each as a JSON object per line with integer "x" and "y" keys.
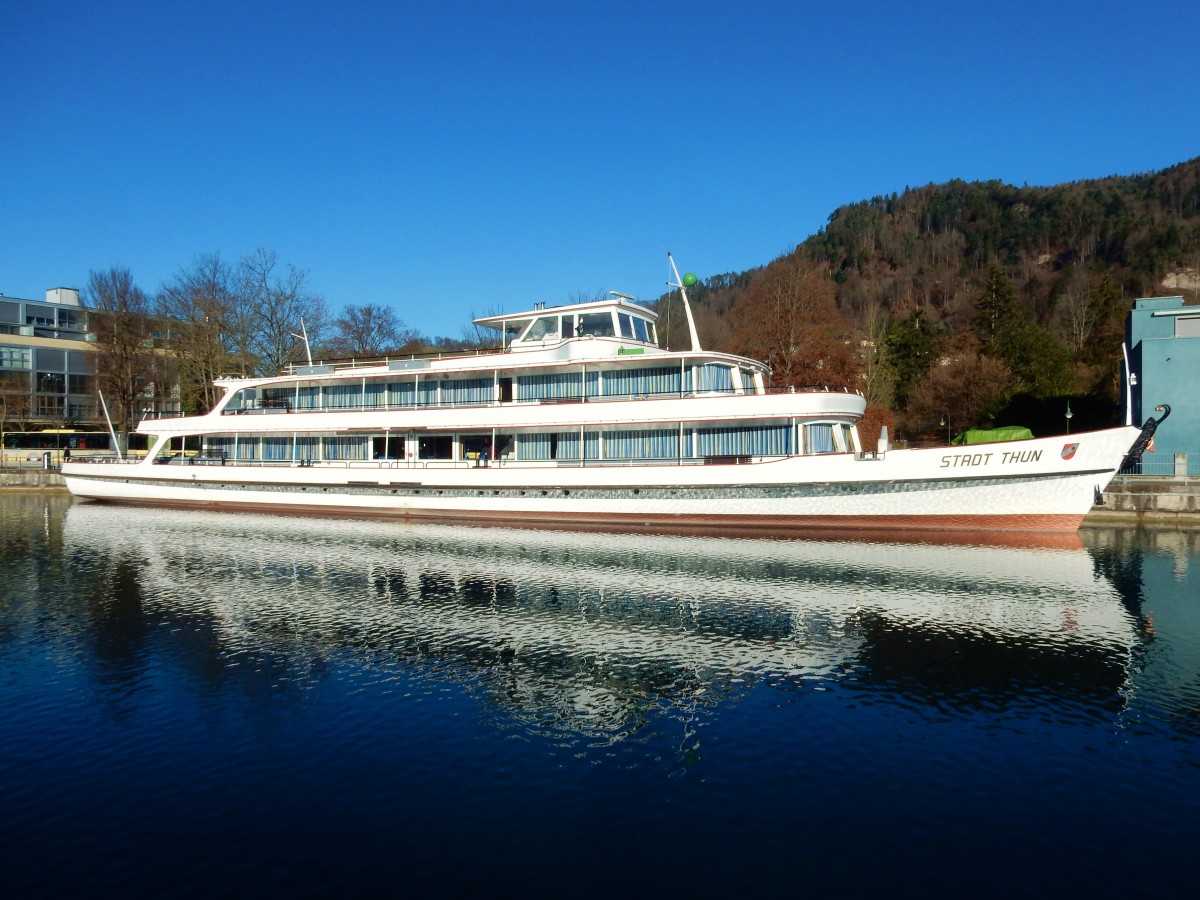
{"x": 1069, "y": 414}
{"x": 945, "y": 423}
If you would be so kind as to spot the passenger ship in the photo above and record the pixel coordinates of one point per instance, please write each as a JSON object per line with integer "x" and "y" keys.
{"x": 581, "y": 418}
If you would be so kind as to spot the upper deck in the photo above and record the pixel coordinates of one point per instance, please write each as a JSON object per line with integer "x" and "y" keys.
{"x": 601, "y": 350}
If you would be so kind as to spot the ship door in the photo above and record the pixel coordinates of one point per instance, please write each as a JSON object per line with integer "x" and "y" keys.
{"x": 506, "y": 390}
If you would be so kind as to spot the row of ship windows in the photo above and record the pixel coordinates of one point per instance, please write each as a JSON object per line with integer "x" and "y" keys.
{"x": 623, "y": 444}
{"x": 364, "y": 394}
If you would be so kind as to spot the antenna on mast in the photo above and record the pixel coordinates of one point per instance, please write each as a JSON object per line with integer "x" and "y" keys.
{"x": 304, "y": 337}
{"x": 683, "y": 283}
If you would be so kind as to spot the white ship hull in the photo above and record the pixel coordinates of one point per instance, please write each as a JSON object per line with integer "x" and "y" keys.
{"x": 1046, "y": 484}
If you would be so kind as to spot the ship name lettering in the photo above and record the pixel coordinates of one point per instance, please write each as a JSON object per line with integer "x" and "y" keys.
{"x": 955, "y": 460}
{"x": 1020, "y": 456}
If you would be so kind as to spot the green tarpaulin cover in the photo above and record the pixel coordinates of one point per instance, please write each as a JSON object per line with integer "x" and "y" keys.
{"x": 991, "y": 435}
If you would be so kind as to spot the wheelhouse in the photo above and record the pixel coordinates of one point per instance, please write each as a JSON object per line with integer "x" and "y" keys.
{"x": 535, "y": 329}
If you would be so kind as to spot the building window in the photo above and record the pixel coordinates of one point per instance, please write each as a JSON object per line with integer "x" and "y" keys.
{"x": 51, "y": 383}
{"x": 14, "y": 358}
{"x": 51, "y": 406}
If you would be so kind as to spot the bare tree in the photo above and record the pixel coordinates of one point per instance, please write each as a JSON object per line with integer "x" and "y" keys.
{"x": 126, "y": 368}
{"x": 478, "y": 336}
{"x": 873, "y": 326}
{"x": 369, "y": 330}
{"x": 199, "y": 309}
{"x": 1079, "y": 309}
{"x": 272, "y": 305}
{"x": 16, "y": 401}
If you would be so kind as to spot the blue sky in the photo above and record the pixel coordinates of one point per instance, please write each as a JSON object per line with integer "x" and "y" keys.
{"x": 446, "y": 158}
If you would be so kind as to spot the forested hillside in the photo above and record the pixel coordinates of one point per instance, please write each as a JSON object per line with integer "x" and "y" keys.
{"x": 975, "y": 303}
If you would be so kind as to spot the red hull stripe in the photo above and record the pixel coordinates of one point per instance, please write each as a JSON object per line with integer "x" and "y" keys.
{"x": 1014, "y": 530}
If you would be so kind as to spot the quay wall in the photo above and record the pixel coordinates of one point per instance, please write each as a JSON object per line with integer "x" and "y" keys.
{"x": 32, "y": 479}
{"x": 1150, "y": 500}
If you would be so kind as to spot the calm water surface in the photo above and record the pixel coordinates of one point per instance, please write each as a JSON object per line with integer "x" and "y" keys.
{"x": 219, "y": 704}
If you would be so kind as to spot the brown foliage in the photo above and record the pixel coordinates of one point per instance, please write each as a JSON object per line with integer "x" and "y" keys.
{"x": 789, "y": 319}
{"x": 963, "y": 392}
{"x": 870, "y": 424}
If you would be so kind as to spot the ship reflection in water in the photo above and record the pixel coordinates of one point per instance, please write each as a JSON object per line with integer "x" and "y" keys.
{"x": 203, "y": 703}
{"x": 596, "y": 634}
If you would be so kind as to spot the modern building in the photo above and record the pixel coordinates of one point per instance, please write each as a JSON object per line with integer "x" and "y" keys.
{"x": 47, "y": 365}
{"x": 1163, "y": 339}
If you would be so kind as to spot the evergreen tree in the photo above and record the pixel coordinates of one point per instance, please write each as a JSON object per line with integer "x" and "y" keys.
{"x": 1008, "y": 332}
{"x": 910, "y": 348}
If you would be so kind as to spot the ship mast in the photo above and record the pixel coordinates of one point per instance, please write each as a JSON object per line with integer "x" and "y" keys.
{"x": 687, "y": 309}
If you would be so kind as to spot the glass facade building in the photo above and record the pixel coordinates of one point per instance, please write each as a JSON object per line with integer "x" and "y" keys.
{"x": 47, "y": 365}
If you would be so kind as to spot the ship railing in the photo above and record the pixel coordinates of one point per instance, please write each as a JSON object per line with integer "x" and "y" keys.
{"x": 273, "y": 405}
{"x": 370, "y": 362}
{"x": 105, "y": 460}
{"x": 373, "y": 464}
{"x": 1164, "y": 465}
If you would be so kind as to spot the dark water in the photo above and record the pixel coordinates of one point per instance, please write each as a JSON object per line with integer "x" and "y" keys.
{"x": 219, "y": 704}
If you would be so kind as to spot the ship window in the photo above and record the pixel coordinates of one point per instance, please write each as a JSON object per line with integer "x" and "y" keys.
{"x": 641, "y": 382}
{"x": 476, "y": 446}
{"x": 542, "y": 327}
{"x": 277, "y": 448}
{"x": 845, "y": 438}
{"x": 402, "y": 393}
{"x": 277, "y": 398}
{"x": 565, "y": 445}
{"x": 439, "y": 446}
{"x": 749, "y": 440}
{"x": 556, "y": 386}
{"x": 466, "y": 391}
{"x": 598, "y": 324}
{"x": 714, "y": 377}
{"x": 375, "y": 396}
{"x": 343, "y": 396}
{"x": 346, "y": 447}
{"x": 639, "y": 444}
{"x": 310, "y": 396}
{"x": 387, "y": 447}
{"x": 639, "y": 330}
{"x": 818, "y": 439}
{"x": 626, "y": 325}
{"x": 247, "y": 398}
{"x": 534, "y": 446}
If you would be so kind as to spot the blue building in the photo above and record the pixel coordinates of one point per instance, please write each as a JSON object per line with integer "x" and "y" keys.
{"x": 1163, "y": 337}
